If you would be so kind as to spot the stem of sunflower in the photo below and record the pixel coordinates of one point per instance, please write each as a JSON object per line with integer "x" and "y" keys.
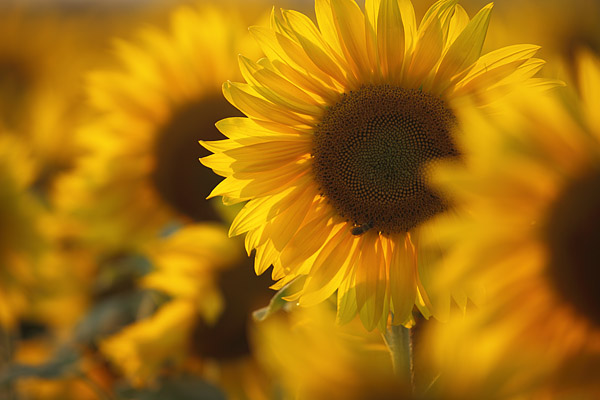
{"x": 399, "y": 342}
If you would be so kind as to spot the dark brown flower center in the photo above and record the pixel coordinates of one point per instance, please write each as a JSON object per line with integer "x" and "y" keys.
{"x": 179, "y": 178}
{"x": 370, "y": 152}
{"x": 573, "y": 239}
{"x": 244, "y": 293}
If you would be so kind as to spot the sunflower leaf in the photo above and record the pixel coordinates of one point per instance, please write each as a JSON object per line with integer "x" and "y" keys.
{"x": 277, "y": 302}
{"x": 64, "y": 362}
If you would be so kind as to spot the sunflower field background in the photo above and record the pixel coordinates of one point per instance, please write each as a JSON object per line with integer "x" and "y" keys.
{"x": 298, "y": 199}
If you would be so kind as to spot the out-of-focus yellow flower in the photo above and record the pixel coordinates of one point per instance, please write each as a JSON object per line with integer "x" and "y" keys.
{"x": 202, "y": 329}
{"x": 528, "y": 235}
{"x": 312, "y": 358}
{"x": 42, "y": 59}
{"x": 341, "y": 120}
{"x": 143, "y": 349}
{"x": 141, "y": 171}
{"x": 187, "y": 266}
{"x": 20, "y": 238}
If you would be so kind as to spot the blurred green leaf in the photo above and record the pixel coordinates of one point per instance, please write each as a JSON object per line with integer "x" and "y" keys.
{"x": 120, "y": 273}
{"x": 226, "y": 212}
{"x": 278, "y": 302}
{"x": 65, "y": 361}
{"x": 112, "y": 314}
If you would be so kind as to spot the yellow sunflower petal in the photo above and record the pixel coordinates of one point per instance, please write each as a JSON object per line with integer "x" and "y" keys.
{"x": 429, "y": 43}
{"x": 297, "y": 56}
{"x": 278, "y": 91}
{"x": 259, "y": 75}
{"x": 316, "y": 46}
{"x": 276, "y": 154}
{"x": 306, "y": 242}
{"x": 238, "y": 128}
{"x": 459, "y": 21}
{"x": 524, "y": 72}
{"x": 371, "y": 282}
{"x": 402, "y": 280}
{"x": 435, "y": 298}
{"x": 409, "y": 23}
{"x": 329, "y": 269}
{"x": 372, "y": 12}
{"x": 282, "y": 233}
{"x": 390, "y": 39}
{"x": 266, "y": 255}
{"x": 502, "y": 56}
{"x": 465, "y": 50}
{"x": 350, "y": 26}
{"x": 326, "y": 24}
{"x": 442, "y": 10}
{"x": 589, "y": 75}
{"x": 487, "y": 78}
{"x": 255, "y": 107}
{"x": 249, "y": 216}
{"x": 219, "y": 163}
{"x": 271, "y": 44}
{"x": 346, "y": 298}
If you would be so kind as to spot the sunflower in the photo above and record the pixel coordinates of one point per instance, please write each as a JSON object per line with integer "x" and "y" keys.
{"x": 341, "y": 120}
{"x": 529, "y": 236}
{"x": 201, "y": 329}
{"x": 140, "y": 175}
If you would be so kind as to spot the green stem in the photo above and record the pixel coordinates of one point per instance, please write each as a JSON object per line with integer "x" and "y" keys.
{"x": 399, "y": 342}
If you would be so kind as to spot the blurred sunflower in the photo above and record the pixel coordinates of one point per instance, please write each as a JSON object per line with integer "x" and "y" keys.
{"x": 312, "y": 358}
{"x": 342, "y": 119}
{"x": 529, "y": 235}
{"x": 140, "y": 174}
{"x": 21, "y": 241}
{"x": 39, "y": 76}
{"x": 202, "y": 329}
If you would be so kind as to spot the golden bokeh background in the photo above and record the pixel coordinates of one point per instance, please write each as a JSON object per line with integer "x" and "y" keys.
{"x": 117, "y": 278}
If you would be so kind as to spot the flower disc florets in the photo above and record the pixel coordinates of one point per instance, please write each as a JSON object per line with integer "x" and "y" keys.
{"x": 370, "y": 152}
